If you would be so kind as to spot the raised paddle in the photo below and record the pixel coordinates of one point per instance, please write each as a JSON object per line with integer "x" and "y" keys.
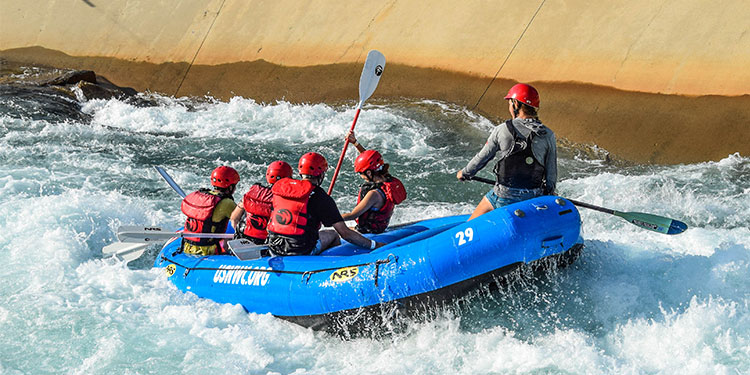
{"x": 654, "y": 223}
{"x": 368, "y": 81}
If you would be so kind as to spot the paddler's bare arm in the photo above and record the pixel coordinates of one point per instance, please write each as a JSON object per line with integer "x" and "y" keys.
{"x": 372, "y": 199}
{"x": 353, "y": 236}
{"x": 236, "y": 216}
{"x": 353, "y": 140}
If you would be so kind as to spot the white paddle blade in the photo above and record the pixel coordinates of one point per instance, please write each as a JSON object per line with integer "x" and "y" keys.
{"x": 135, "y": 229}
{"x": 154, "y": 236}
{"x": 245, "y": 249}
{"x": 131, "y": 256}
{"x": 368, "y": 81}
{"x": 122, "y": 247}
{"x": 125, "y": 251}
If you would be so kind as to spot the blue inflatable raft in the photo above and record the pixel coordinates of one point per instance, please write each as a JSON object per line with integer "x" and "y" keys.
{"x": 426, "y": 261}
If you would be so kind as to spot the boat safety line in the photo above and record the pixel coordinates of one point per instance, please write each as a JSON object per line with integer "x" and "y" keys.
{"x": 509, "y": 54}
{"x": 199, "y": 47}
{"x": 305, "y": 274}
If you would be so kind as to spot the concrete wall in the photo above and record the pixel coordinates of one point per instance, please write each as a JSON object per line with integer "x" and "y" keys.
{"x": 648, "y": 51}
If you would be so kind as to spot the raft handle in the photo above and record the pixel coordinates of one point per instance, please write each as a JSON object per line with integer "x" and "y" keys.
{"x": 383, "y": 261}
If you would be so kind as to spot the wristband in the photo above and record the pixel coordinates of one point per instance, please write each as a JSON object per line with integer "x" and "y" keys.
{"x": 373, "y": 244}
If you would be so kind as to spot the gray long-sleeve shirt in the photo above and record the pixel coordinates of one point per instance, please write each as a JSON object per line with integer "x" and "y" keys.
{"x": 500, "y": 144}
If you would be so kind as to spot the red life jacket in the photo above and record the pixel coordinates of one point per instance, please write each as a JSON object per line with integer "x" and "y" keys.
{"x": 289, "y": 216}
{"x": 376, "y": 220}
{"x": 199, "y": 207}
{"x": 257, "y": 204}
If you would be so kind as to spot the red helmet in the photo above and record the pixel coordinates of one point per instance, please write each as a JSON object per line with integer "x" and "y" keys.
{"x": 525, "y": 94}
{"x": 278, "y": 170}
{"x": 312, "y": 164}
{"x": 368, "y": 160}
{"x": 224, "y": 177}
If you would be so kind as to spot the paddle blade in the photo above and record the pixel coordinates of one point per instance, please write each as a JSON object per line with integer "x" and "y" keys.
{"x": 125, "y": 251}
{"x": 245, "y": 249}
{"x": 653, "y": 223}
{"x": 373, "y": 69}
{"x": 368, "y": 81}
{"x": 144, "y": 237}
{"x": 126, "y": 233}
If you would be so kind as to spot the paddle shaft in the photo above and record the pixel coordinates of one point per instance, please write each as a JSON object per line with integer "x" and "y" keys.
{"x": 481, "y": 179}
{"x": 149, "y": 236}
{"x": 592, "y": 207}
{"x": 170, "y": 181}
{"x": 577, "y": 203}
{"x": 368, "y": 82}
{"x": 655, "y": 223}
{"x": 343, "y": 152}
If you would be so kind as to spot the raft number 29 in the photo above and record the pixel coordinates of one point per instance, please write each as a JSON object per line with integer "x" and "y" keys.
{"x": 464, "y": 236}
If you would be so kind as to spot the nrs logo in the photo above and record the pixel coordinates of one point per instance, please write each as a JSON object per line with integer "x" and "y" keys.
{"x": 344, "y": 274}
{"x": 646, "y": 225}
{"x": 170, "y": 270}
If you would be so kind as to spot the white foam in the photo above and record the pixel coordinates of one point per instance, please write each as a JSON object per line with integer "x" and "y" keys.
{"x": 696, "y": 341}
{"x": 636, "y": 302}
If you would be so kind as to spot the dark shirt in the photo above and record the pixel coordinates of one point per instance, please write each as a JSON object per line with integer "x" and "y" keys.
{"x": 322, "y": 210}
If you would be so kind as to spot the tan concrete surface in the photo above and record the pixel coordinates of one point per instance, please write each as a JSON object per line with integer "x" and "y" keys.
{"x": 591, "y": 59}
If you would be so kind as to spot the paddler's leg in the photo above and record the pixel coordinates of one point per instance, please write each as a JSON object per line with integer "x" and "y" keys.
{"x": 483, "y": 207}
{"x": 327, "y": 239}
{"x": 489, "y": 202}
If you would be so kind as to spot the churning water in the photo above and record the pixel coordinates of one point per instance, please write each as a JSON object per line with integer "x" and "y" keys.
{"x": 72, "y": 172}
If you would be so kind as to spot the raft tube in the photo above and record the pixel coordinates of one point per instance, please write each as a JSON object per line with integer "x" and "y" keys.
{"x": 430, "y": 260}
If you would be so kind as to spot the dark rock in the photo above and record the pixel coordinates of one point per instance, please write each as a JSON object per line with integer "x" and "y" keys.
{"x": 72, "y": 77}
{"x": 95, "y": 91}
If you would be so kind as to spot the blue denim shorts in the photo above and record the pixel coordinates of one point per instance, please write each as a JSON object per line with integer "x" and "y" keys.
{"x": 497, "y": 201}
{"x": 316, "y": 250}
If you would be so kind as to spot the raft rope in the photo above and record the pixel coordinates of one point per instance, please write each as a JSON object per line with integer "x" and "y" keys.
{"x": 199, "y": 48}
{"x": 509, "y": 53}
{"x": 305, "y": 274}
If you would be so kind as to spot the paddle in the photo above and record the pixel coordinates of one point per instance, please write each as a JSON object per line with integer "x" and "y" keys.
{"x": 650, "y": 222}
{"x": 124, "y": 251}
{"x": 134, "y": 244}
{"x": 368, "y": 81}
{"x": 136, "y": 234}
{"x": 245, "y": 249}
{"x": 169, "y": 180}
